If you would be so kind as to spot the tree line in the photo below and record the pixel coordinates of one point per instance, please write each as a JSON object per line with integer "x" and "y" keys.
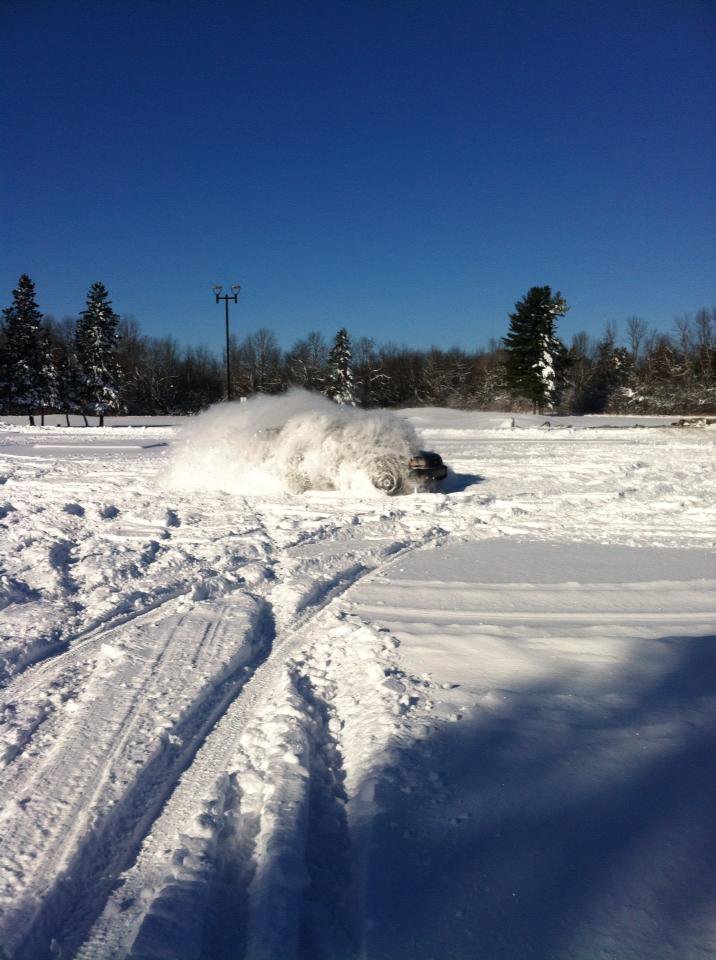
{"x": 99, "y": 363}
{"x": 648, "y": 372}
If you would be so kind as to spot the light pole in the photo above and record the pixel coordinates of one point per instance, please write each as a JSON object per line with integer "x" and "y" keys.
{"x": 234, "y": 295}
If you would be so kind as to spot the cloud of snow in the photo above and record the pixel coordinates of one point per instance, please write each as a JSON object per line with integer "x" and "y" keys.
{"x": 286, "y": 443}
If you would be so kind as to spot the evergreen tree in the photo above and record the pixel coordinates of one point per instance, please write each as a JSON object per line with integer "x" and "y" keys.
{"x": 4, "y": 374}
{"x": 96, "y": 344}
{"x": 341, "y": 387}
{"x": 49, "y": 375}
{"x": 609, "y": 375}
{"x": 532, "y": 351}
{"x": 22, "y": 354}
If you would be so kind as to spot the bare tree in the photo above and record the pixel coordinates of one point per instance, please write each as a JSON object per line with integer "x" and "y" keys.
{"x": 683, "y": 334}
{"x": 370, "y": 378}
{"x": 260, "y": 362}
{"x": 306, "y": 362}
{"x": 611, "y": 334}
{"x": 705, "y": 334}
{"x": 637, "y": 329}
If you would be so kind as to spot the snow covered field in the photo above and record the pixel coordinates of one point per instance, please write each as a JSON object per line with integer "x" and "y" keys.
{"x": 479, "y": 723}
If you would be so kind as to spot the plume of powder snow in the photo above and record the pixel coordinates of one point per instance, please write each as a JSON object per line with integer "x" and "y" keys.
{"x": 274, "y": 444}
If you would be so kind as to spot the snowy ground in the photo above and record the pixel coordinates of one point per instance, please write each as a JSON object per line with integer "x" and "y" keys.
{"x": 473, "y": 724}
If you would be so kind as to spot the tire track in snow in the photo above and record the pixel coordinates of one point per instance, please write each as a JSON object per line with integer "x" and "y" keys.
{"x": 347, "y": 694}
{"x": 32, "y": 695}
{"x": 140, "y": 560}
{"x": 77, "y": 666}
{"x": 242, "y": 835}
{"x": 45, "y": 908}
{"x": 81, "y": 865}
{"x": 49, "y": 579}
{"x": 324, "y": 928}
{"x": 75, "y": 662}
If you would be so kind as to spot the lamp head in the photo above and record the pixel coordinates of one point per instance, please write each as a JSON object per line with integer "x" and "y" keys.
{"x": 217, "y": 288}
{"x": 235, "y": 288}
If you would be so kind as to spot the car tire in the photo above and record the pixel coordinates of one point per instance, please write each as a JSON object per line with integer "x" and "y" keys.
{"x": 388, "y": 477}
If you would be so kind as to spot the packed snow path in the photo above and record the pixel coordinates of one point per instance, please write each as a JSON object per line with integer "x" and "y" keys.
{"x": 242, "y": 726}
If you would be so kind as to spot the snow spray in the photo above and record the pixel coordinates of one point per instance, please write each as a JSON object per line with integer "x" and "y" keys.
{"x": 286, "y": 444}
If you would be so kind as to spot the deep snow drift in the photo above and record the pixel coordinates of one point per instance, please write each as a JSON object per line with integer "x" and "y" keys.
{"x": 286, "y": 443}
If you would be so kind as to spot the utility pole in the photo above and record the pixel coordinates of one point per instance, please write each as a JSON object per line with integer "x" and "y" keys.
{"x": 234, "y": 295}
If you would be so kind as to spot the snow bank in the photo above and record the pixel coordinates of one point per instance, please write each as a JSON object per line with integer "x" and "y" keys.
{"x": 287, "y": 443}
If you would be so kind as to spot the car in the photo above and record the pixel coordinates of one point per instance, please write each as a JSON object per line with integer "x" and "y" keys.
{"x": 388, "y": 474}
{"x": 426, "y": 467}
{"x": 392, "y": 474}
{"x": 424, "y": 470}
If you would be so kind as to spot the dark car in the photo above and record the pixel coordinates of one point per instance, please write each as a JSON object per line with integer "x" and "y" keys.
{"x": 424, "y": 469}
{"x": 390, "y": 473}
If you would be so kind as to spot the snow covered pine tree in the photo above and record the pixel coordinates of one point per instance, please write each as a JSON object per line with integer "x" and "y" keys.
{"x": 49, "y": 376}
{"x": 23, "y": 350}
{"x": 96, "y": 342}
{"x": 533, "y": 352}
{"x": 341, "y": 387}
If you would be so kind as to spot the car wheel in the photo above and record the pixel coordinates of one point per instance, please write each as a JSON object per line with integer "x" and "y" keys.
{"x": 388, "y": 477}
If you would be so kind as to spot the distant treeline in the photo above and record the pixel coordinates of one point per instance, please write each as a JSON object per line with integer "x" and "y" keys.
{"x": 643, "y": 371}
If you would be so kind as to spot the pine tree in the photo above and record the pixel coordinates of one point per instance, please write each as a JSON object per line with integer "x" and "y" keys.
{"x": 4, "y": 374}
{"x": 609, "y": 375}
{"x": 22, "y": 354}
{"x": 49, "y": 375}
{"x": 532, "y": 351}
{"x": 341, "y": 387}
{"x": 96, "y": 343}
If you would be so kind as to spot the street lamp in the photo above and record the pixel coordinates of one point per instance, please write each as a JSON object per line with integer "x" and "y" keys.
{"x": 234, "y": 295}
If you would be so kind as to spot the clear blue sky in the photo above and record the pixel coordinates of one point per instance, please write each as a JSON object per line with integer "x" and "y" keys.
{"x": 406, "y": 169}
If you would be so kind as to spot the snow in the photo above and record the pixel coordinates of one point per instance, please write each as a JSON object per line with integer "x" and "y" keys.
{"x": 278, "y": 444}
{"x": 570, "y": 734}
{"x": 240, "y": 722}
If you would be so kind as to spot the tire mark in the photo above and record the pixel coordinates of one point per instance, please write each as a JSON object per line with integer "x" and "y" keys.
{"x": 215, "y": 867}
{"x": 66, "y": 912}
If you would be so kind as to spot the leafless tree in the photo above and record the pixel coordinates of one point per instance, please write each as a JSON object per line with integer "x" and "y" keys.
{"x": 637, "y": 329}
{"x": 306, "y": 361}
{"x": 368, "y": 371}
{"x": 260, "y": 362}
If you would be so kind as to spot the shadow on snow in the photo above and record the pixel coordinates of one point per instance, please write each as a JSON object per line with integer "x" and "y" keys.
{"x": 517, "y": 837}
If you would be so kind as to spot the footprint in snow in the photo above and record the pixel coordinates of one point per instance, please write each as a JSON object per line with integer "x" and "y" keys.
{"x": 149, "y": 555}
{"x": 109, "y": 512}
{"x": 173, "y": 519}
{"x": 74, "y": 509}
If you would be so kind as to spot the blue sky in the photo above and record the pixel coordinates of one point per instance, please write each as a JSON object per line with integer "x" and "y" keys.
{"x": 406, "y": 169}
